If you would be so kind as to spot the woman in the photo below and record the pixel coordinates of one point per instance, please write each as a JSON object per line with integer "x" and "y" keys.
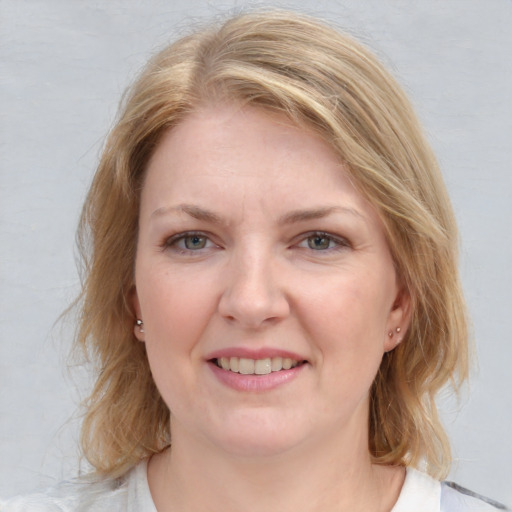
{"x": 271, "y": 291}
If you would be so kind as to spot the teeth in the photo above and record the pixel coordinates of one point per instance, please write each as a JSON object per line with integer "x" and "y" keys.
{"x": 233, "y": 364}
{"x": 256, "y": 366}
{"x": 246, "y": 366}
{"x": 262, "y": 366}
{"x": 277, "y": 364}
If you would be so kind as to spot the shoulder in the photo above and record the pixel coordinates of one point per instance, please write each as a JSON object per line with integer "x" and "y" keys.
{"x": 88, "y": 495}
{"x": 455, "y": 498}
{"x": 77, "y": 495}
{"x": 422, "y": 492}
{"x": 419, "y": 492}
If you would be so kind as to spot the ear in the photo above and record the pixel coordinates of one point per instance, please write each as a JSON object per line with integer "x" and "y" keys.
{"x": 399, "y": 320}
{"x": 138, "y": 330}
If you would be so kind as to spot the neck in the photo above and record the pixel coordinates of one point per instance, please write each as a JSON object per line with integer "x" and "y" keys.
{"x": 329, "y": 476}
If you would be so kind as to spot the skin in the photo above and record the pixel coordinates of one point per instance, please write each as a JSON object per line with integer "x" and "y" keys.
{"x": 274, "y": 250}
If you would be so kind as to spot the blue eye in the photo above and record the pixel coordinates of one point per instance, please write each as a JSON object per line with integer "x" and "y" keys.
{"x": 194, "y": 242}
{"x": 189, "y": 242}
{"x": 320, "y": 242}
{"x": 323, "y": 242}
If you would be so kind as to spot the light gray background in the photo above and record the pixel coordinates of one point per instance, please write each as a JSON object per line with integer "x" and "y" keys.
{"x": 63, "y": 67}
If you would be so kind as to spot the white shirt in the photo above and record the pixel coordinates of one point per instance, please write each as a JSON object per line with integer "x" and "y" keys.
{"x": 420, "y": 493}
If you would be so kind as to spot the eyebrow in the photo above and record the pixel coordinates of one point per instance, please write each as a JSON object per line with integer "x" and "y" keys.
{"x": 317, "y": 213}
{"x": 292, "y": 217}
{"x": 194, "y": 211}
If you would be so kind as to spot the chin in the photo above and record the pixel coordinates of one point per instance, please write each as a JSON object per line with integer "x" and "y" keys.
{"x": 257, "y": 447}
{"x": 255, "y": 435}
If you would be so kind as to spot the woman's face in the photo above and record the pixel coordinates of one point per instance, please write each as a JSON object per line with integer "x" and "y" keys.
{"x": 255, "y": 253}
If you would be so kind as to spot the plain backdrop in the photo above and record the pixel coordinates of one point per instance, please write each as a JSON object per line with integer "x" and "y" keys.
{"x": 63, "y": 67}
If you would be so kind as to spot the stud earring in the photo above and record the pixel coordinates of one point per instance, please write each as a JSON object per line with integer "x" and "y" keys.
{"x": 391, "y": 333}
{"x": 140, "y": 323}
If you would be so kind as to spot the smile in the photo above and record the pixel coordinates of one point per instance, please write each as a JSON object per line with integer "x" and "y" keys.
{"x": 264, "y": 366}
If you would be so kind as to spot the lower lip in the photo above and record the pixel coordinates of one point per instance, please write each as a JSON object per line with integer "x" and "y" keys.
{"x": 255, "y": 383}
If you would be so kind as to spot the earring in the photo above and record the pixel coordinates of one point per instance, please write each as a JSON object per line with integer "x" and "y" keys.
{"x": 391, "y": 334}
{"x": 140, "y": 323}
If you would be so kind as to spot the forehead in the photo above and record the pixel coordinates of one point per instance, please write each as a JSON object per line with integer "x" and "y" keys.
{"x": 246, "y": 154}
{"x": 236, "y": 139}
{"x": 216, "y": 129}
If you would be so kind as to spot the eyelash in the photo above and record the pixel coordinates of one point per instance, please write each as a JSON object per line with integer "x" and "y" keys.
{"x": 339, "y": 243}
{"x": 173, "y": 241}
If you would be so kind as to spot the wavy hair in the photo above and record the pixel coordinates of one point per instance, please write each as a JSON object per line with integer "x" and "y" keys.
{"x": 324, "y": 80}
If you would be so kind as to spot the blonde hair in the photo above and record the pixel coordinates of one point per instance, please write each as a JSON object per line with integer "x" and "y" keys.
{"x": 324, "y": 80}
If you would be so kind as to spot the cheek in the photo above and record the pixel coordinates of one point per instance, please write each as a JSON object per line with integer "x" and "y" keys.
{"x": 346, "y": 319}
{"x": 176, "y": 312}
{"x": 176, "y": 307}
{"x": 351, "y": 308}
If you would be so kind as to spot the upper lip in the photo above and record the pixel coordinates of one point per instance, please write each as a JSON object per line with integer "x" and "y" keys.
{"x": 254, "y": 353}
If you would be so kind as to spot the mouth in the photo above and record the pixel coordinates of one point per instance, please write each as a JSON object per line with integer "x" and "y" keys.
{"x": 264, "y": 366}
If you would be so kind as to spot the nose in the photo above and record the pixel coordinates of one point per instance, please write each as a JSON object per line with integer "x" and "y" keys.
{"x": 253, "y": 296}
